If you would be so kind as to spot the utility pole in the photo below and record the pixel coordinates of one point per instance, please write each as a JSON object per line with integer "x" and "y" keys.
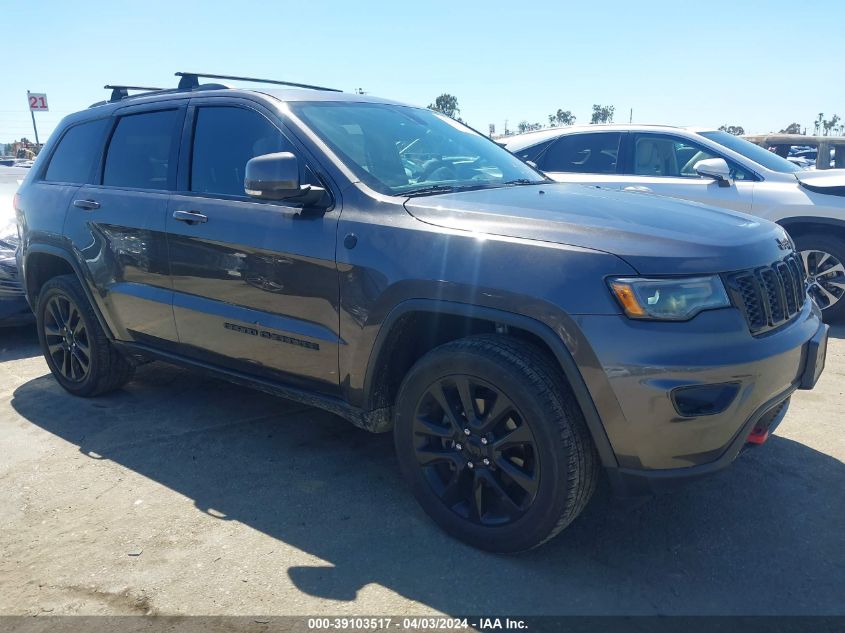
{"x": 631, "y": 117}
{"x": 34, "y": 127}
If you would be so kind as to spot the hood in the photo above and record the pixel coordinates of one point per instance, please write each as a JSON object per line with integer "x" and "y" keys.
{"x": 655, "y": 235}
{"x": 829, "y": 181}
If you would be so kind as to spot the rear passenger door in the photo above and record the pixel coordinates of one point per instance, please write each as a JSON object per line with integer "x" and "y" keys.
{"x": 117, "y": 225}
{"x": 256, "y": 286}
{"x": 589, "y": 158}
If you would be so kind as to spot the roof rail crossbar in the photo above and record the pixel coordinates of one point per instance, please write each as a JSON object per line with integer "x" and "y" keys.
{"x": 189, "y": 81}
{"x": 121, "y": 92}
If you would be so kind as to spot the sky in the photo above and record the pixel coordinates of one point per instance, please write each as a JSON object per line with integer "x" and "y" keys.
{"x": 761, "y": 65}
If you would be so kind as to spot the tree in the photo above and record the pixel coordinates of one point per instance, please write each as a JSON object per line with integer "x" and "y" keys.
{"x": 561, "y": 117}
{"x": 817, "y": 127}
{"x": 830, "y": 125}
{"x": 736, "y": 130}
{"x": 525, "y": 126}
{"x": 602, "y": 114}
{"x": 792, "y": 128}
{"x": 446, "y": 104}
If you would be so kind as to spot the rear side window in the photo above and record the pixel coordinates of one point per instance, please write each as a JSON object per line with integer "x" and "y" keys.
{"x": 74, "y": 158}
{"x": 139, "y": 155}
{"x": 225, "y": 138}
{"x": 591, "y": 153}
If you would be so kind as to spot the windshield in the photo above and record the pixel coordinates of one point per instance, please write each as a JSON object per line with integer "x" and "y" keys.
{"x": 758, "y": 154}
{"x": 400, "y": 150}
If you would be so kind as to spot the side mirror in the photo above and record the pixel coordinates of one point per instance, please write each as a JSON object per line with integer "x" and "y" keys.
{"x": 716, "y": 168}
{"x": 276, "y": 177}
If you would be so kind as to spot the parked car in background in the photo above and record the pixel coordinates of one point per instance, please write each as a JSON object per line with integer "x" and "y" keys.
{"x": 711, "y": 167}
{"x": 14, "y": 309}
{"x": 826, "y": 152}
{"x": 802, "y": 162}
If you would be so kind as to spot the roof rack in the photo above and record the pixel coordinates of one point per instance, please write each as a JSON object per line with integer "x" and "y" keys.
{"x": 190, "y": 81}
{"x": 121, "y": 92}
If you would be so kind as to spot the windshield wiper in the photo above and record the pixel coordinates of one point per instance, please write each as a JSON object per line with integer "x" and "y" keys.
{"x": 433, "y": 189}
{"x": 523, "y": 181}
{"x": 424, "y": 191}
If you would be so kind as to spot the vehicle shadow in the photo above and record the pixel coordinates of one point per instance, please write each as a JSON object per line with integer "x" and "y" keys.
{"x": 18, "y": 342}
{"x": 764, "y": 537}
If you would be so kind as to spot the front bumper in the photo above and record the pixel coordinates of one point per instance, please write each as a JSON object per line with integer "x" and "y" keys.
{"x": 645, "y": 363}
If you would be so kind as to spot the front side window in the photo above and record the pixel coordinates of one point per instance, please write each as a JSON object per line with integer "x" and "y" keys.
{"x": 140, "y": 151}
{"x": 225, "y": 138}
{"x": 674, "y": 157}
{"x": 73, "y": 160}
{"x": 591, "y": 153}
{"x": 400, "y": 150}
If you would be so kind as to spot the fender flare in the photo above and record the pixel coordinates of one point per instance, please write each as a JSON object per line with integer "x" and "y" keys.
{"x": 806, "y": 219}
{"x": 66, "y": 256}
{"x": 529, "y": 324}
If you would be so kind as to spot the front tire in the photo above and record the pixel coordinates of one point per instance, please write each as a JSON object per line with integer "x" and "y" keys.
{"x": 76, "y": 348}
{"x": 824, "y": 262}
{"x": 493, "y": 443}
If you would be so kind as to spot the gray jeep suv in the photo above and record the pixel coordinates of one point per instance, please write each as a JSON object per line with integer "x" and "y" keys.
{"x": 386, "y": 263}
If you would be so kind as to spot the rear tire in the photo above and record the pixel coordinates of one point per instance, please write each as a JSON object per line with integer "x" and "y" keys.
{"x": 534, "y": 465}
{"x": 823, "y": 272}
{"x": 76, "y": 348}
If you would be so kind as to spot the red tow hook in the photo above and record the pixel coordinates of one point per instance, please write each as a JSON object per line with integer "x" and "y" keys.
{"x": 758, "y": 436}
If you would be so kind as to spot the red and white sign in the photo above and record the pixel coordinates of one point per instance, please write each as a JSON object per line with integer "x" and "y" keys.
{"x": 37, "y": 101}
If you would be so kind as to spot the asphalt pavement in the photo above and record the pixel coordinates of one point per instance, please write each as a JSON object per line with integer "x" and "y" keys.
{"x": 185, "y": 495}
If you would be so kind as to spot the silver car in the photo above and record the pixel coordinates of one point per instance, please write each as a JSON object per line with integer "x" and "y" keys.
{"x": 711, "y": 167}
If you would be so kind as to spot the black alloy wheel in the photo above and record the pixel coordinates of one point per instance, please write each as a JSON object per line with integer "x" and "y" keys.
{"x": 67, "y": 338}
{"x": 477, "y": 453}
{"x": 492, "y": 442}
{"x": 82, "y": 358}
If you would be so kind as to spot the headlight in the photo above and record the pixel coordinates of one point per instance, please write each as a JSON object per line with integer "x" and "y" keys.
{"x": 669, "y": 299}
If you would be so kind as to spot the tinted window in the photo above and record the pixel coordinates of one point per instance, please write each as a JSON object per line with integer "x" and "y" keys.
{"x": 74, "y": 158}
{"x": 140, "y": 150}
{"x": 532, "y": 152}
{"x": 592, "y": 153}
{"x": 676, "y": 157}
{"x": 225, "y": 138}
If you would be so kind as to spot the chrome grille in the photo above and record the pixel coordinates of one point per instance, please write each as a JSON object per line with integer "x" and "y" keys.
{"x": 769, "y": 296}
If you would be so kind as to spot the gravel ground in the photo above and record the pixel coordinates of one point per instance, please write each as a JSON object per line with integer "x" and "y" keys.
{"x": 185, "y": 495}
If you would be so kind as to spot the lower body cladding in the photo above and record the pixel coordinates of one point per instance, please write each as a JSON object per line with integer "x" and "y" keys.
{"x": 681, "y": 399}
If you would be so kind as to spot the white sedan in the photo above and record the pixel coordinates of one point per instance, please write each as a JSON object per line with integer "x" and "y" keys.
{"x": 711, "y": 167}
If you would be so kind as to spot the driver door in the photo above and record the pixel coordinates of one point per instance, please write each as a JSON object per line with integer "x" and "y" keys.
{"x": 664, "y": 164}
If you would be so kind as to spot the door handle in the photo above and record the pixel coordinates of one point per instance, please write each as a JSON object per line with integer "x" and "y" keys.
{"x": 88, "y": 205}
{"x": 191, "y": 217}
{"x": 639, "y": 188}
